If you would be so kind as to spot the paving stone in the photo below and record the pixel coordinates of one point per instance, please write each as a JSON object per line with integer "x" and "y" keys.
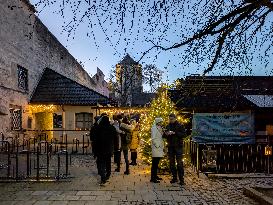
{"x": 103, "y": 197}
{"x": 180, "y": 198}
{"x": 165, "y": 197}
{"x": 54, "y": 193}
{"x": 97, "y": 193}
{"x": 82, "y": 193}
{"x": 71, "y": 193}
{"x": 59, "y": 203}
{"x": 23, "y": 198}
{"x": 76, "y": 203}
{"x": 149, "y": 197}
{"x": 23, "y": 193}
{"x": 37, "y": 198}
{"x": 87, "y": 198}
{"x": 71, "y": 198}
{"x": 7, "y": 202}
{"x": 134, "y": 197}
{"x": 102, "y": 203}
{"x": 56, "y": 198}
{"x": 118, "y": 196}
{"x": 42, "y": 203}
{"x": 39, "y": 193}
{"x": 25, "y": 202}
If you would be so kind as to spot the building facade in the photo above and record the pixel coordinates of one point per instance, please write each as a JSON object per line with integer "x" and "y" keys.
{"x": 27, "y": 49}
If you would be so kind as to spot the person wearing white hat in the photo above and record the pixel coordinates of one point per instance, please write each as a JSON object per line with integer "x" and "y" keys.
{"x": 157, "y": 148}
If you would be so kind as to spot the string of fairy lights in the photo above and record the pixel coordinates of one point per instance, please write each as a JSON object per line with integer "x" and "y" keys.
{"x": 161, "y": 106}
{"x": 43, "y": 108}
{"x": 125, "y": 111}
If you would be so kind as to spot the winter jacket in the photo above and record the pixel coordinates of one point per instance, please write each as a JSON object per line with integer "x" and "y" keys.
{"x": 157, "y": 140}
{"x": 175, "y": 140}
{"x": 93, "y": 134}
{"x": 104, "y": 140}
{"x": 135, "y": 140}
{"x": 126, "y": 138}
{"x": 117, "y": 141}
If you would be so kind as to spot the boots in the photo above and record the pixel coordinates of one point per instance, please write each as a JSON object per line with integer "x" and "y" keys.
{"x": 118, "y": 164}
{"x": 127, "y": 172}
{"x": 118, "y": 167}
{"x": 133, "y": 158}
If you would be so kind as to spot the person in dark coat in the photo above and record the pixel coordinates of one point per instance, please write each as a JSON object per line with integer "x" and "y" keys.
{"x": 117, "y": 143}
{"x": 175, "y": 134}
{"x": 93, "y": 134}
{"x": 105, "y": 136}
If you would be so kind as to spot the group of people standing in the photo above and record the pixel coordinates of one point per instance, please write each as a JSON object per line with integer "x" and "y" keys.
{"x": 116, "y": 137}
{"x": 174, "y": 133}
{"x": 120, "y": 135}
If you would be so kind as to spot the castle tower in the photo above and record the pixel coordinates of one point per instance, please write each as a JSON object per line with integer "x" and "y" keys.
{"x": 129, "y": 78}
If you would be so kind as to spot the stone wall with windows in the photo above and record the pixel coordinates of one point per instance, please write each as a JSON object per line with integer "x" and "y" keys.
{"x": 26, "y": 48}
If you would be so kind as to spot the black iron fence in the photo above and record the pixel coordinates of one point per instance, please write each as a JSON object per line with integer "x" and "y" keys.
{"x": 226, "y": 158}
{"x": 35, "y": 157}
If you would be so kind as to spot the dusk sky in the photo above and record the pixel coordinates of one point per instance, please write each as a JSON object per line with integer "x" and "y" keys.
{"x": 105, "y": 53}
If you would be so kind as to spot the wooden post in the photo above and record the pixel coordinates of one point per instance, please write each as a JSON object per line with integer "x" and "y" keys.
{"x": 197, "y": 162}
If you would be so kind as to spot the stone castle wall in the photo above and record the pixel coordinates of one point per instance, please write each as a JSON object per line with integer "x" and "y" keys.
{"x": 26, "y": 41}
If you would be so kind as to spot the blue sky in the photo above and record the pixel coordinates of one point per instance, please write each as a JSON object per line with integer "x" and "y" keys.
{"x": 105, "y": 54}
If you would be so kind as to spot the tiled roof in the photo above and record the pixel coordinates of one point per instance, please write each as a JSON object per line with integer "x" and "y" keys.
{"x": 54, "y": 88}
{"x": 261, "y": 100}
{"x": 222, "y": 93}
{"x": 209, "y": 103}
{"x": 248, "y": 85}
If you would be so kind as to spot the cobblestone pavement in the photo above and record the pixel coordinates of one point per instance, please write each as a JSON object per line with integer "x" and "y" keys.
{"x": 134, "y": 189}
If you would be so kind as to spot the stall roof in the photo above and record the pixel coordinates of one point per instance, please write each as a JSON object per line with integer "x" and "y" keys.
{"x": 223, "y": 93}
{"x": 208, "y": 103}
{"x": 54, "y": 88}
{"x": 261, "y": 100}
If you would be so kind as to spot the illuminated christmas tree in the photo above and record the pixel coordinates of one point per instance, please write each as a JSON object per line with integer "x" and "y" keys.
{"x": 161, "y": 106}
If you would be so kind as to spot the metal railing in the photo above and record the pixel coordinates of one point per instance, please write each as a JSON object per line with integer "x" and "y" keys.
{"x": 33, "y": 158}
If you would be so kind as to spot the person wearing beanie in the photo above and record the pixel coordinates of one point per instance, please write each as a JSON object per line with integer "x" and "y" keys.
{"x": 157, "y": 148}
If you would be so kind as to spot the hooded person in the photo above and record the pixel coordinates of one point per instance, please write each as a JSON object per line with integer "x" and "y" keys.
{"x": 157, "y": 148}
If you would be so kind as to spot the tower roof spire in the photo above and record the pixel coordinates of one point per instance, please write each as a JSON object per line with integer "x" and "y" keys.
{"x": 128, "y": 60}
